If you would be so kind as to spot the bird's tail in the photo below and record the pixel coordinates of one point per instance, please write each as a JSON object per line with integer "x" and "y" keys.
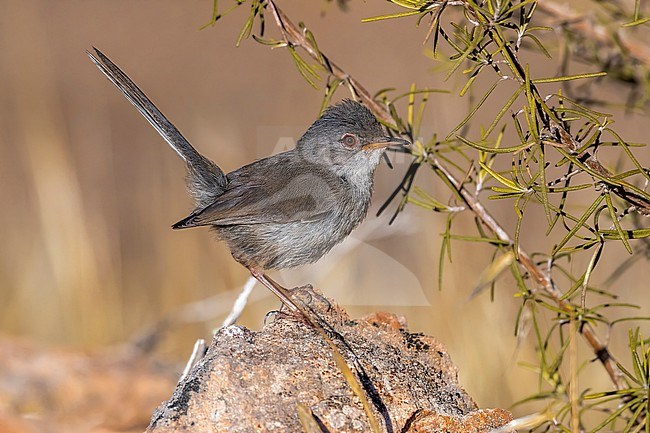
{"x": 205, "y": 180}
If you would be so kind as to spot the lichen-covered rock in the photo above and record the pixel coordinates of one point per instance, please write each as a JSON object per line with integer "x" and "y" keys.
{"x": 254, "y": 381}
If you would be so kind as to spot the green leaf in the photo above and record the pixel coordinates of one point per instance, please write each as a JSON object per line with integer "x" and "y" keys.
{"x": 390, "y": 16}
{"x": 248, "y": 26}
{"x": 502, "y": 112}
{"x": 520, "y": 219}
{"x": 568, "y": 78}
{"x": 305, "y": 70}
{"x": 531, "y": 105}
{"x": 459, "y": 61}
{"x": 475, "y": 109}
{"x": 513, "y": 149}
{"x": 630, "y": 155}
{"x": 619, "y": 230}
{"x": 580, "y": 223}
{"x": 504, "y": 180}
{"x": 610, "y": 180}
{"x": 492, "y": 241}
{"x": 445, "y": 248}
{"x": 543, "y": 195}
{"x": 517, "y": 6}
{"x": 332, "y": 85}
{"x": 627, "y": 234}
{"x": 539, "y": 44}
{"x": 428, "y": 202}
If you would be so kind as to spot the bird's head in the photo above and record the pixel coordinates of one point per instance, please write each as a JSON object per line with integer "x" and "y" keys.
{"x": 347, "y": 138}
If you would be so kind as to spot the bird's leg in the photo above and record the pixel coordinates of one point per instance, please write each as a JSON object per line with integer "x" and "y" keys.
{"x": 276, "y": 289}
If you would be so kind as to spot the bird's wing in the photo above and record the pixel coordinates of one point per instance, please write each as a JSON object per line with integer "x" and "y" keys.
{"x": 280, "y": 197}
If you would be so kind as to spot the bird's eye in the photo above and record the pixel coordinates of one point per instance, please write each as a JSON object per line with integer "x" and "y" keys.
{"x": 349, "y": 140}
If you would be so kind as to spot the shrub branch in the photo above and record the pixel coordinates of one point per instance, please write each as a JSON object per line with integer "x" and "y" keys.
{"x": 293, "y": 36}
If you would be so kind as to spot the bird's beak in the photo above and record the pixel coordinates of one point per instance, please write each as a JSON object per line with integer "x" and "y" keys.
{"x": 386, "y": 142}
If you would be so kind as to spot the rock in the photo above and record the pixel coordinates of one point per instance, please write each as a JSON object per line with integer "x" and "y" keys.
{"x": 51, "y": 390}
{"x": 259, "y": 381}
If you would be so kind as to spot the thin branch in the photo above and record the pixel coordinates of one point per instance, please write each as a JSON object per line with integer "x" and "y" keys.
{"x": 198, "y": 352}
{"x": 541, "y": 278}
{"x": 240, "y": 303}
{"x": 295, "y": 37}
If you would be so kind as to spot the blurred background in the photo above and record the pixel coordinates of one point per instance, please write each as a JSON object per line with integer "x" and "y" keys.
{"x": 89, "y": 190}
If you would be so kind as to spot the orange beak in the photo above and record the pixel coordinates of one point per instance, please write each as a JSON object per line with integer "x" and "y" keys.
{"x": 386, "y": 142}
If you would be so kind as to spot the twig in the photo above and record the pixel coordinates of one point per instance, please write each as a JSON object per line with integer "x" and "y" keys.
{"x": 294, "y": 37}
{"x": 197, "y": 354}
{"x": 543, "y": 281}
{"x": 240, "y": 303}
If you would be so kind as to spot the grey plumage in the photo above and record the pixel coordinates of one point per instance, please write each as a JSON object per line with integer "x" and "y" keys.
{"x": 205, "y": 180}
{"x": 288, "y": 209}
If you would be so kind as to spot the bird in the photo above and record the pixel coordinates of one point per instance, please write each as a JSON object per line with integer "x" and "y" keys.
{"x": 285, "y": 210}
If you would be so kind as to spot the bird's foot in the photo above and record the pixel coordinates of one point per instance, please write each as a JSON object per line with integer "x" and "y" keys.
{"x": 310, "y": 298}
